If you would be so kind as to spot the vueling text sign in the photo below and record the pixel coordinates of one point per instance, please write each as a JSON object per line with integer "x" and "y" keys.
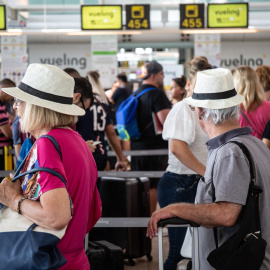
{"x": 2, "y": 17}
{"x": 227, "y": 15}
{"x": 191, "y": 16}
{"x": 101, "y": 17}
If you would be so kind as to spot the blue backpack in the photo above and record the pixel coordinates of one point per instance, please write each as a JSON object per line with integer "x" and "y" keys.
{"x": 127, "y": 125}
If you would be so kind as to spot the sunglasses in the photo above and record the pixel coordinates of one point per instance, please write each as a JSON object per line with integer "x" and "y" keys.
{"x": 16, "y": 101}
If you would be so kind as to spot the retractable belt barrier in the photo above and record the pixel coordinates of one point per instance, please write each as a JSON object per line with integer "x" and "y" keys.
{"x": 132, "y": 222}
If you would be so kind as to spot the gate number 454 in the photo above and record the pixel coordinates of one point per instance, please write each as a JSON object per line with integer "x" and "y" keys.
{"x": 137, "y": 24}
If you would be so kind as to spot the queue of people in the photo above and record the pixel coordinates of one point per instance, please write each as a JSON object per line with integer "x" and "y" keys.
{"x": 208, "y": 109}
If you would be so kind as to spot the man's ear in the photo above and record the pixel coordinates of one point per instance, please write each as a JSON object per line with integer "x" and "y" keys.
{"x": 76, "y": 98}
{"x": 198, "y": 111}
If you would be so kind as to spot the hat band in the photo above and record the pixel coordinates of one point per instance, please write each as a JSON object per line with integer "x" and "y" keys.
{"x": 47, "y": 96}
{"x": 221, "y": 95}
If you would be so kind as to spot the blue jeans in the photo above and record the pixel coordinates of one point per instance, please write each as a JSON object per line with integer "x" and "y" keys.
{"x": 174, "y": 188}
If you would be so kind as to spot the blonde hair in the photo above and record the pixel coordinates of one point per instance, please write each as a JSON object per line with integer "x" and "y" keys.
{"x": 93, "y": 78}
{"x": 36, "y": 117}
{"x": 263, "y": 73}
{"x": 248, "y": 85}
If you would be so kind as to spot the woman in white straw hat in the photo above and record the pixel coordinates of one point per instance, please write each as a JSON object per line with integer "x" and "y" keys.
{"x": 187, "y": 159}
{"x": 44, "y": 101}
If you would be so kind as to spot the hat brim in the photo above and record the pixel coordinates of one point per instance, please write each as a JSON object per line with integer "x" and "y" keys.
{"x": 215, "y": 104}
{"x": 71, "y": 109}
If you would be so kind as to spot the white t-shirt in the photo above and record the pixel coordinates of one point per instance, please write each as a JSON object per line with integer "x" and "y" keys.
{"x": 182, "y": 124}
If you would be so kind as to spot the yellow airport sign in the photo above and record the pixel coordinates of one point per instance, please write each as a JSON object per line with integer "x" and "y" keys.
{"x": 137, "y": 17}
{"x": 191, "y": 16}
{"x": 227, "y": 15}
{"x": 101, "y": 17}
{"x": 2, "y": 17}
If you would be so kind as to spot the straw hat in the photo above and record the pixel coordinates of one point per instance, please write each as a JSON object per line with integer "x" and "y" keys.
{"x": 49, "y": 87}
{"x": 214, "y": 89}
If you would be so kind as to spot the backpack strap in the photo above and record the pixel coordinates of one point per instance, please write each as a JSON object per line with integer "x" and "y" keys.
{"x": 143, "y": 92}
{"x": 137, "y": 96}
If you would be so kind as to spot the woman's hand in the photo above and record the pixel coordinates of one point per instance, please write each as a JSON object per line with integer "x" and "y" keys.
{"x": 9, "y": 193}
{"x": 91, "y": 146}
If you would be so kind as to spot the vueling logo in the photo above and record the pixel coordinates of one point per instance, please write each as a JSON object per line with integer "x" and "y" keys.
{"x": 241, "y": 61}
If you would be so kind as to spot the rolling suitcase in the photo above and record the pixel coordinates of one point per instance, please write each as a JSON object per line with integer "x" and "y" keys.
{"x": 103, "y": 255}
{"x": 127, "y": 197}
{"x": 178, "y": 222}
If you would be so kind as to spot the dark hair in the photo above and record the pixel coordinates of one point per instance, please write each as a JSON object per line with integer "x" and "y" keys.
{"x": 122, "y": 77}
{"x": 181, "y": 82}
{"x": 72, "y": 72}
{"x": 84, "y": 87}
{"x": 7, "y": 82}
{"x": 198, "y": 63}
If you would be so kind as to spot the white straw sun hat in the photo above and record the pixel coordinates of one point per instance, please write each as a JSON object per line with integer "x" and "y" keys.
{"x": 214, "y": 89}
{"x": 47, "y": 86}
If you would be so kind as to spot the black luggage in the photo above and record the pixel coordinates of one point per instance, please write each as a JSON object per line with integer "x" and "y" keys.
{"x": 103, "y": 255}
{"x": 127, "y": 197}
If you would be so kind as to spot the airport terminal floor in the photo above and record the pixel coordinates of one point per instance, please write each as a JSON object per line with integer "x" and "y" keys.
{"x": 112, "y": 109}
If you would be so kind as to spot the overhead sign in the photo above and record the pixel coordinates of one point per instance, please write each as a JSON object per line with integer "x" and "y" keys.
{"x": 137, "y": 17}
{"x": 191, "y": 16}
{"x": 2, "y": 17}
{"x": 101, "y": 17}
{"x": 227, "y": 15}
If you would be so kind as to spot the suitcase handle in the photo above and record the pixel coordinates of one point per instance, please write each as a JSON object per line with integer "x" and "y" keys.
{"x": 176, "y": 221}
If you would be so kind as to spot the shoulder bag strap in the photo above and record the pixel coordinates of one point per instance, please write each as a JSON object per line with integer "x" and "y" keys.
{"x": 48, "y": 170}
{"x": 251, "y": 169}
{"x": 100, "y": 104}
{"x": 137, "y": 96}
{"x": 244, "y": 115}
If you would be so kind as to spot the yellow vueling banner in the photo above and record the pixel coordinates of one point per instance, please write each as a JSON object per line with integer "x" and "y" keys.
{"x": 101, "y": 17}
{"x": 2, "y": 17}
{"x": 227, "y": 15}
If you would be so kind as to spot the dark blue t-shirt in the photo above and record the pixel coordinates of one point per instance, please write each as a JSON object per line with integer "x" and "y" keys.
{"x": 92, "y": 126}
{"x": 120, "y": 94}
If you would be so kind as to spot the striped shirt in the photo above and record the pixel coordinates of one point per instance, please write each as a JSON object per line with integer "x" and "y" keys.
{"x": 4, "y": 141}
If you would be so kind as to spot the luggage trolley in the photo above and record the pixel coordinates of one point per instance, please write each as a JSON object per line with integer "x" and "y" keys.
{"x": 178, "y": 222}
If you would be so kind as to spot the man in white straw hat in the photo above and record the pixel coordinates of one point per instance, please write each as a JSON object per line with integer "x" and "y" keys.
{"x": 222, "y": 192}
{"x": 44, "y": 102}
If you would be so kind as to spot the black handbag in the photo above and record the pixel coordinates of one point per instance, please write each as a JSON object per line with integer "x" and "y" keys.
{"x": 23, "y": 244}
{"x": 246, "y": 248}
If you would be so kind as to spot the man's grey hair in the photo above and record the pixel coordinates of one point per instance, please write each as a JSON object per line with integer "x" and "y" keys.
{"x": 219, "y": 116}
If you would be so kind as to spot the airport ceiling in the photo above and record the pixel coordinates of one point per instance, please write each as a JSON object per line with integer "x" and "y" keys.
{"x": 59, "y": 21}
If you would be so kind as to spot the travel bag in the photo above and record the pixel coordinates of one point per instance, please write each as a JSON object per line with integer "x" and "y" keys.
{"x": 127, "y": 197}
{"x": 103, "y": 255}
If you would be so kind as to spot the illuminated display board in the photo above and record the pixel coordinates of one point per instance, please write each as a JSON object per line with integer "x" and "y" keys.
{"x": 101, "y": 17}
{"x": 137, "y": 17}
{"x": 2, "y": 17}
{"x": 191, "y": 16}
{"x": 227, "y": 15}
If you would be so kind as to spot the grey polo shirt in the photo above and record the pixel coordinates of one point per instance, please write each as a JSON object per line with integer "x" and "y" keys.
{"x": 228, "y": 169}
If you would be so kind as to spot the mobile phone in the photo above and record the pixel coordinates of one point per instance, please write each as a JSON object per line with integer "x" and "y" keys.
{"x": 96, "y": 142}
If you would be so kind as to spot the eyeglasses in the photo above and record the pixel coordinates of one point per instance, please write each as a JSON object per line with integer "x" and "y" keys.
{"x": 17, "y": 101}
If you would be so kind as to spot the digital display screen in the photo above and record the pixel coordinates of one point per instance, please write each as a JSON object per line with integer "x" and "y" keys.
{"x": 101, "y": 17}
{"x": 227, "y": 15}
